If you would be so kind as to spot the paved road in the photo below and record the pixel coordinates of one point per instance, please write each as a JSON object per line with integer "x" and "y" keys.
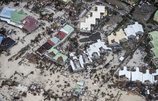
{"x": 115, "y": 9}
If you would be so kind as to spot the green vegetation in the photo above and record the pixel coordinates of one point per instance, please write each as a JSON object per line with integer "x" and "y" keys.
{"x": 154, "y": 35}
{"x": 156, "y": 16}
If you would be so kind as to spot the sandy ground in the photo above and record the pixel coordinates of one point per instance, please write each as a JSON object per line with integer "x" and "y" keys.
{"x": 137, "y": 59}
{"x": 50, "y": 81}
{"x": 131, "y": 97}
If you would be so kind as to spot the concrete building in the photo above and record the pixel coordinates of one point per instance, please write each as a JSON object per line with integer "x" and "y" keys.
{"x": 133, "y": 29}
{"x": 87, "y": 57}
{"x": 139, "y": 76}
{"x": 116, "y": 37}
{"x": 96, "y": 48}
{"x": 76, "y": 64}
{"x": 95, "y": 13}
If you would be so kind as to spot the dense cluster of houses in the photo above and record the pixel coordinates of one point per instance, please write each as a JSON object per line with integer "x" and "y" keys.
{"x": 92, "y": 53}
{"x": 48, "y": 49}
{"x": 19, "y": 18}
{"x": 99, "y": 11}
{"x": 147, "y": 76}
{"x": 131, "y": 30}
{"x": 153, "y": 51}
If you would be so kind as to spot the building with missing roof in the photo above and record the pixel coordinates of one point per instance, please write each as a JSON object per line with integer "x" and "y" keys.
{"x": 89, "y": 56}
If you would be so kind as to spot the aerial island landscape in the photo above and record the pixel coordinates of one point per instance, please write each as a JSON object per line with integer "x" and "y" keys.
{"x": 78, "y": 50}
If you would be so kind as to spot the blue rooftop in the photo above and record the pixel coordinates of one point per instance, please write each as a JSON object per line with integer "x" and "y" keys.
{"x": 67, "y": 29}
{"x": 6, "y": 12}
{"x": 7, "y": 43}
{"x": 55, "y": 40}
{"x": 1, "y": 39}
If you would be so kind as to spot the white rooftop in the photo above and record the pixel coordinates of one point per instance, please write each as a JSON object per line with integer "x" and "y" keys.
{"x": 137, "y": 75}
{"x": 121, "y": 58}
{"x": 11, "y": 23}
{"x": 125, "y": 72}
{"x": 77, "y": 66}
{"x": 133, "y": 29}
{"x": 81, "y": 61}
{"x": 86, "y": 25}
{"x": 95, "y": 48}
{"x": 72, "y": 65}
{"x": 22, "y": 88}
